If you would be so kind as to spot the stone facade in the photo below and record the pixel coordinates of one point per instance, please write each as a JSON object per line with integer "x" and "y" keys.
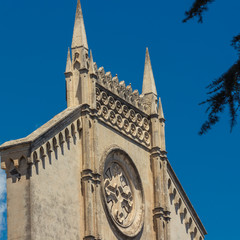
{"x": 99, "y": 169}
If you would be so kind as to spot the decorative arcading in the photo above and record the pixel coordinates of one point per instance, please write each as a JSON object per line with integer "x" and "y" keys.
{"x": 184, "y": 214}
{"x": 121, "y": 90}
{"x": 66, "y": 136}
{"x": 121, "y": 116}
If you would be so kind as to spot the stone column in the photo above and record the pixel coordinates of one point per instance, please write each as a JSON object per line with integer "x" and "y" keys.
{"x": 88, "y": 177}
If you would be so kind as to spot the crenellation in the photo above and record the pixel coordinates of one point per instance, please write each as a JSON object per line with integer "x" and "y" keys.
{"x": 120, "y": 89}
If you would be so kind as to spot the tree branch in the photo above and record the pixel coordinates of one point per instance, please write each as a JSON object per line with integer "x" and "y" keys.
{"x": 197, "y": 9}
{"x": 224, "y": 91}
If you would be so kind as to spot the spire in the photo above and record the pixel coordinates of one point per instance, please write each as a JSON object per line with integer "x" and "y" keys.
{"x": 79, "y": 33}
{"x": 91, "y": 64}
{"x": 160, "y": 109}
{"x": 148, "y": 79}
{"x": 69, "y": 63}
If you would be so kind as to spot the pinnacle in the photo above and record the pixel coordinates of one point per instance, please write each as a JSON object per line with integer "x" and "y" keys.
{"x": 69, "y": 62}
{"x": 160, "y": 109}
{"x": 91, "y": 64}
{"x": 79, "y": 33}
{"x": 148, "y": 79}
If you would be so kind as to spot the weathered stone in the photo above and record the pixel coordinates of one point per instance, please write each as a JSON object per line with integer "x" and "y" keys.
{"x": 99, "y": 169}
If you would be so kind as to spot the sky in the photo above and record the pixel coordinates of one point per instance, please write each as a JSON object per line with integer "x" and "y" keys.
{"x": 185, "y": 58}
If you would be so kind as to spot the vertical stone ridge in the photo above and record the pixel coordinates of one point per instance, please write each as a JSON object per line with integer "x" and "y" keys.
{"x": 79, "y": 34}
{"x": 161, "y": 213}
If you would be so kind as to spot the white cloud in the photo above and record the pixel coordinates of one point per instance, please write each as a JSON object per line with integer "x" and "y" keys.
{"x": 3, "y": 204}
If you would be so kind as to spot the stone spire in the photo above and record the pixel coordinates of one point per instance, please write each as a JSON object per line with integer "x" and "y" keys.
{"x": 79, "y": 33}
{"x": 148, "y": 79}
{"x": 69, "y": 63}
{"x": 160, "y": 109}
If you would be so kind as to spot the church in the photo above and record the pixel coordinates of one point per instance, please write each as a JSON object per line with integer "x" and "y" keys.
{"x": 99, "y": 169}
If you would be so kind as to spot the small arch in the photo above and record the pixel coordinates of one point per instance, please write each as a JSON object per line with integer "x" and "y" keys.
{"x": 55, "y": 143}
{"x": 195, "y": 232}
{"x": 49, "y": 147}
{"x": 190, "y": 222}
{"x": 61, "y": 139}
{"x": 35, "y": 157}
{"x": 79, "y": 125}
{"x": 23, "y": 166}
{"x": 77, "y": 65}
{"x": 184, "y": 213}
{"x": 200, "y": 238}
{"x": 174, "y": 193}
{"x": 179, "y": 202}
{"x": 73, "y": 130}
{"x": 67, "y": 135}
{"x": 42, "y": 153}
{"x": 22, "y": 159}
{"x": 169, "y": 183}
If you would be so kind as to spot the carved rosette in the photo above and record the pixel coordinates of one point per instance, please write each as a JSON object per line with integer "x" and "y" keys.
{"x": 122, "y": 193}
{"x": 123, "y": 117}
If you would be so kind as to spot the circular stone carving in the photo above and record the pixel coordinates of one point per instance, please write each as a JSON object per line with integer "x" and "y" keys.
{"x": 122, "y": 193}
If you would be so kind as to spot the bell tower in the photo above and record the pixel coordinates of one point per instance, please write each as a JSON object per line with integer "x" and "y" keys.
{"x": 98, "y": 170}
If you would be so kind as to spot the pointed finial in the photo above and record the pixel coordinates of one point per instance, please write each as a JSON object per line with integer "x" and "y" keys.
{"x": 69, "y": 63}
{"x": 79, "y": 33}
{"x": 91, "y": 64}
{"x": 148, "y": 79}
{"x": 160, "y": 109}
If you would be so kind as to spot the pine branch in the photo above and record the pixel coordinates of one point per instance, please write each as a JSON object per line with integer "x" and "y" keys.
{"x": 226, "y": 91}
{"x": 236, "y": 43}
{"x": 197, "y": 9}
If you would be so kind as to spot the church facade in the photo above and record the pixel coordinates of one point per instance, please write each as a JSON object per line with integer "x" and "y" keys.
{"x": 99, "y": 169}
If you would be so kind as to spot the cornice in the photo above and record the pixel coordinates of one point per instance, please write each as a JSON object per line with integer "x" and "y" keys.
{"x": 174, "y": 180}
{"x": 50, "y": 127}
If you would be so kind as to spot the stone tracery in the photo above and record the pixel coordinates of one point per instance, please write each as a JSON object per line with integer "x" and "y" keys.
{"x": 118, "y": 193}
{"x": 125, "y": 118}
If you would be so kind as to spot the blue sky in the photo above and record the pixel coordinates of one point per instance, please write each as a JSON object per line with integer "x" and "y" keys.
{"x": 185, "y": 58}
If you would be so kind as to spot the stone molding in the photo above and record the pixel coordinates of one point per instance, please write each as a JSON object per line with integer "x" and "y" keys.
{"x": 184, "y": 207}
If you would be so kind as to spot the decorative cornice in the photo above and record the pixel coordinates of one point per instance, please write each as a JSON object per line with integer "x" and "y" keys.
{"x": 63, "y": 118}
{"x": 62, "y": 129}
{"x": 185, "y": 208}
{"x": 123, "y": 117}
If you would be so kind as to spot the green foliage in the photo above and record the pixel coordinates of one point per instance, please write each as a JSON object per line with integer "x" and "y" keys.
{"x": 224, "y": 91}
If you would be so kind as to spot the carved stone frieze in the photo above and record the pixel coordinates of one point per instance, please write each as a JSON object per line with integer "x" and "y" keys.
{"x": 123, "y": 117}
